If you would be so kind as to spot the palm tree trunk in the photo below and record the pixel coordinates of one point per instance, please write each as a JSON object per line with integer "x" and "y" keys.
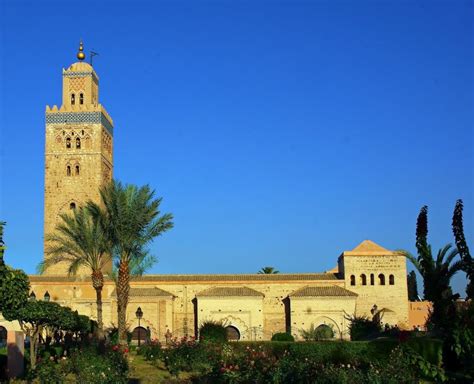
{"x": 123, "y": 288}
{"x": 98, "y": 284}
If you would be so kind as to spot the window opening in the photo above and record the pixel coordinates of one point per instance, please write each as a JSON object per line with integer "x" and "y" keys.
{"x": 77, "y": 170}
{"x": 73, "y": 99}
{"x": 363, "y": 279}
{"x": 78, "y": 143}
{"x": 68, "y": 142}
{"x": 391, "y": 280}
{"x": 68, "y": 170}
{"x": 372, "y": 279}
{"x": 81, "y": 98}
{"x": 382, "y": 279}
{"x": 72, "y": 206}
{"x": 353, "y": 280}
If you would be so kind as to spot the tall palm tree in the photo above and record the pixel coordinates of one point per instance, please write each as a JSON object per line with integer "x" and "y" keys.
{"x": 268, "y": 271}
{"x": 80, "y": 241}
{"x": 436, "y": 272}
{"x": 132, "y": 218}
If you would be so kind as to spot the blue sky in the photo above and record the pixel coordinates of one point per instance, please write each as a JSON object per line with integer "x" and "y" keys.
{"x": 278, "y": 133}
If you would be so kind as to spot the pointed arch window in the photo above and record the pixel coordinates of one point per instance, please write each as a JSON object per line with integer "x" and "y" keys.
{"x": 381, "y": 279}
{"x": 73, "y": 98}
{"x": 391, "y": 280}
{"x": 353, "y": 280}
{"x": 78, "y": 143}
{"x": 81, "y": 98}
{"x": 68, "y": 142}
{"x": 68, "y": 170}
{"x": 77, "y": 169}
{"x": 363, "y": 279}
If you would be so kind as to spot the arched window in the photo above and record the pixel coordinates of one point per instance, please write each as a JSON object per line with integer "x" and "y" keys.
{"x": 363, "y": 279}
{"x": 382, "y": 279}
{"x": 73, "y": 98}
{"x": 72, "y": 205}
{"x": 81, "y": 98}
{"x": 68, "y": 142}
{"x": 353, "y": 280}
{"x": 391, "y": 280}
{"x": 77, "y": 169}
{"x": 78, "y": 143}
{"x": 232, "y": 333}
{"x": 372, "y": 279}
{"x": 68, "y": 170}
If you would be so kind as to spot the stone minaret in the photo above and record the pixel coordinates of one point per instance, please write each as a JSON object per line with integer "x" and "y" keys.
{"x": 78, "y": 150}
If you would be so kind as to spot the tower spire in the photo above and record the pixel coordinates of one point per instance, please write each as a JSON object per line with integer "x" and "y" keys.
{"x": 81, "y": 55}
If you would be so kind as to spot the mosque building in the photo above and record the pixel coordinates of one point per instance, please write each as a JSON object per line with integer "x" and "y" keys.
{"x": 79, "y": 160}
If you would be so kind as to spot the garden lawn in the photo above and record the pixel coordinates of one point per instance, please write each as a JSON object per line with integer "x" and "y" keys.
{"x": 145, "y": 372}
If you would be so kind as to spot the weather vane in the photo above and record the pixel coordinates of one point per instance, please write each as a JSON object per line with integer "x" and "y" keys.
{"x": 92, "y": 53}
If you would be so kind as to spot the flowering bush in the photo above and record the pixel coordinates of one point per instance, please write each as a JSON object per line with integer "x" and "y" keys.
{"x": 152, "y": 351}
{"x": 185, "y": 354}
{"x": 93, "y": 368}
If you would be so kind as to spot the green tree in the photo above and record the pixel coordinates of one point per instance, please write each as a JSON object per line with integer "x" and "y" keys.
{"x": 132, "y": 218}
{"x": 412, "y": 286}
{"x": 80, "y": 240}
{"x": 34, "y": 317}
{"x": 14, "y": 285}
{"x": 461, "y": 244}
{"x": 268, "y": 271}
{"x": 436, "y": 272}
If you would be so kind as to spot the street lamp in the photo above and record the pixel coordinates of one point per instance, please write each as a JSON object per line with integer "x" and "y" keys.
{"x": 46, "y": 296}
{"x": 139, "y": 314}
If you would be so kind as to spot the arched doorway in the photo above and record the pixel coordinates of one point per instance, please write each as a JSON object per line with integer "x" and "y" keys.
{"x": 324, "y": 332}
{"x": 233, "y": 333}
{"x": 139, "y": 333}
{"x": 3, "y": 337}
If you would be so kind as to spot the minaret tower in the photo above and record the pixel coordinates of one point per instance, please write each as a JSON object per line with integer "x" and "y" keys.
{"x": 79, "y": 147}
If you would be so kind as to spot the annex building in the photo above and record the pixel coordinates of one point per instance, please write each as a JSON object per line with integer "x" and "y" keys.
{"x": 79, "y": 160}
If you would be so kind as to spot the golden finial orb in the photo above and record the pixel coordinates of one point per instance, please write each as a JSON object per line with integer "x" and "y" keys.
{"x": 81, "y": 55}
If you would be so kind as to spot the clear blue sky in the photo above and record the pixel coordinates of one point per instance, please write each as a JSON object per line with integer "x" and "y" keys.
{"x": 278, "y": 133}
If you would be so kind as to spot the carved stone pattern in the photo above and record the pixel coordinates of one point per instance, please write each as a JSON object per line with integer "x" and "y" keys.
{"x": 77, "y": 84}
{"x": 79, "y": 117}
{"x": 107, "y": 143}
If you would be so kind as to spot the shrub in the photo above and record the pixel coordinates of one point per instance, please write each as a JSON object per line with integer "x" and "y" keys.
{"x": 283, "y": 336}
{"x": 429, "y": 349}
{"x": 151, "y": 351}
{"x": 322, "y": 332}
{"x": 93, "y": 368}
{"x": 113, "y": 336}
{"x": 362, "y": 328}
{"x": 213, "y": 331}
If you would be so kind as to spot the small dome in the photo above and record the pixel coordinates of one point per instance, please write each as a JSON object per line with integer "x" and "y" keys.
{"x": 81, "y": 66}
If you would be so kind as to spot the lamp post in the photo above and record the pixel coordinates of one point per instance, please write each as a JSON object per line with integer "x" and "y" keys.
{"x": 139, "y": 314}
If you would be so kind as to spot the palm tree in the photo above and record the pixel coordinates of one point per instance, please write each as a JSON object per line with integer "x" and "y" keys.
{"x": 132, "y": 218}
{"x": 80, "y": 241}
{"x": 268, "y": 271}
{"x": 436, "y": 272}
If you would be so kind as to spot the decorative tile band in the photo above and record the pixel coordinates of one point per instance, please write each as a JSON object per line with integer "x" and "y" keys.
{"x": 81, "y": 74}
{"x": 79, "y": 118}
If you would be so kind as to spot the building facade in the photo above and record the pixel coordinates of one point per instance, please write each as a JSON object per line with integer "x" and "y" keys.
{"x": 79, "y": 149}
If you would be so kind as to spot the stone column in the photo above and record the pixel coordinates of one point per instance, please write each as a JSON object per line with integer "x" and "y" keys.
{"x": 15, "y": 353}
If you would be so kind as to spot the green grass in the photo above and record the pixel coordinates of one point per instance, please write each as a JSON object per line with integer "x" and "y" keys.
{"x": 145, "y": 372}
